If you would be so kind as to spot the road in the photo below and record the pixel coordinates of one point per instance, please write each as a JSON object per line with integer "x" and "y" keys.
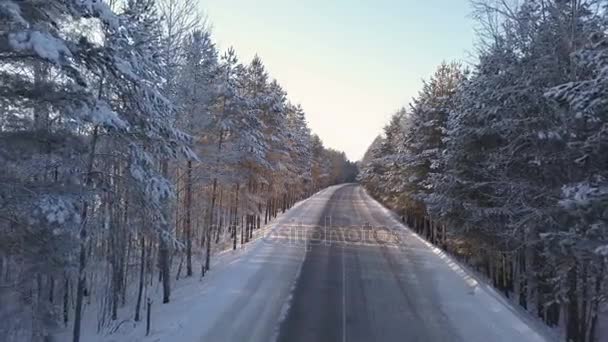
{"x": 340, "y": 267}
{"x": 365, "y": 279}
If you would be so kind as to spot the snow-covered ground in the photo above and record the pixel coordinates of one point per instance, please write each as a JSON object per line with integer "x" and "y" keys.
{"x": 243, "y": 297}
{"x": 474, "y": 309}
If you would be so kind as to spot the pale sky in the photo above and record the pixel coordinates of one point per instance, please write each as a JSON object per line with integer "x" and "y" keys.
{"x": 349, "y": 63}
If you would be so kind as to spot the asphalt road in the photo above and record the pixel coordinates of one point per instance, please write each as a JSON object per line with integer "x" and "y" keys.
{"x": 364, "y": 279}
{"x": 340, "y": 267}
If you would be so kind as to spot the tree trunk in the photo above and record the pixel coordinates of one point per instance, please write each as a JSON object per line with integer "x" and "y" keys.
{"x": 242, "y": 235}
{"x": 236, "y": 216}
{"x": 164, "y": 252}
{"x": 515, "y": 275}
{"x": 572, "y": 316}
{"x": 210, "y": 226}
{"x": 51, "y": 289}
{"x": 188, "y": 222}
{"x": 82, "y": 260}
{"x": 148, "y": 316}
{"x": 266, "y": 211}
{"x": 165, "y": 268}
{"x": 125, "y": 272}
{"x": 79, "y": 293}
{"x": 142, "y": 271}
{"x": 115, "y": 252}
{"x": 247, "y": 228}
{"x": 284, "y": 204}
{"x": 218, "y": 227}
{"x": 531, "y": 283}
{"x": 66, "y": 297}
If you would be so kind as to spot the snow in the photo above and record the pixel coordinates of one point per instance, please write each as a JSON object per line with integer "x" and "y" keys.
{"x": 13, "y": 11}
{"x": 57, "y": 210}
{"x": 577, "y": 195}
{"x": 102, "y": 114}
{"x": 602, "y": 250}
{"x": 42, "y": 43}
{"x": 126, "y": 68}
{"x": 101, "y": 10}
{"x": 159, "y": 188}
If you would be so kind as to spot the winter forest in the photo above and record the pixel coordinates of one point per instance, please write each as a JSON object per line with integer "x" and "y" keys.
{"x": 504, "y": 162}
{"x": 131, "y": 150}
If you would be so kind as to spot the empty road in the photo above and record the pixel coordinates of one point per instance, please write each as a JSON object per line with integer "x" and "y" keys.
{"x": 365, "y": 278}
{"x": 338, "y": 267}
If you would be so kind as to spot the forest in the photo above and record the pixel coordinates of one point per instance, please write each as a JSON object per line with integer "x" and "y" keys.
{"x": 131, "y": 150}
{"x": 503, "y": 161}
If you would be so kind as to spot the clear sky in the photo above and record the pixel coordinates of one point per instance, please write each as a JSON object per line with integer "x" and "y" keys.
{"x": 349, "y": 63}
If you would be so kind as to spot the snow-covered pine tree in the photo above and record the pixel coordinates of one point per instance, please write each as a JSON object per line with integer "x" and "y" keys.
{"x": 320, "y": 177}
{"x": 372, "y": 167}
{"x": 424, "y": 142}
{"x": 277, "y": 180}
{"x": 299, "y": 143}
{"x": 392, "y": 160}
{"x": 584, "y": 198}
{"x": 48, "y": 81}
{"x": 264, "y": 104}
{"x": 196, "y": 91}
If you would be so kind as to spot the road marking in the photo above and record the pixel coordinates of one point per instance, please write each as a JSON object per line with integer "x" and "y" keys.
{"x": 343, "y": 298}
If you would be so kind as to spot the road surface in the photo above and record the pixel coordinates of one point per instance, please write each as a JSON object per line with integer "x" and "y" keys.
{"x": 365, "y": 279}
{"x": 339, "y": 267}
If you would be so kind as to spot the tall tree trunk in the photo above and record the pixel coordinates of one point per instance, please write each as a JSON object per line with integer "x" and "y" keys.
{"x": 210, "y": 226}
{"x": 164, "y": 252}
{"x": 188, "y": 222}
{"x": 142, "y": 271}
{"x": 51, "y": 289}
{"x": 242, "y": 235}
{"x": 66, "y": 298}
{"x": 218, "y": 228}
{"x": 115, "y": 252}
{"x": 531, "y": 281}
{"x": 79, "y": 293}
{"x": 284, "y": 204}
{"x": 266, "y": 211}
{"x": 596, "y": 302}
{"x": 125, "y": 271}
{"x": 247, "y": 219}
{"x": 165, "y": 268}
{"x": 251, "y": 227}
{"x": 82, "y": 260}
{"x": 572, "y": 313}
{"x": 516, "y": 275}
{"x": 236, "y": 216}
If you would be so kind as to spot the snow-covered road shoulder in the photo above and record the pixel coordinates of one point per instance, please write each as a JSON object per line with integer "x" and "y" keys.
{"x": 475, "y": 309}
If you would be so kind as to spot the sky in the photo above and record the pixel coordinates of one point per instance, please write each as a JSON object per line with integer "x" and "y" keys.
{"x": 350, "y": 63}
